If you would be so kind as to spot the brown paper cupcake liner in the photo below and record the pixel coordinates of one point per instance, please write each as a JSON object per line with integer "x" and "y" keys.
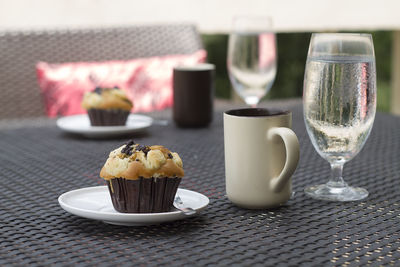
{"x": 112, "y": 117}
{"x": 144, "y": 195}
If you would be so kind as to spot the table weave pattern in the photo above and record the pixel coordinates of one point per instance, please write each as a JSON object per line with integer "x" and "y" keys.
{"x": 39, "y": 164}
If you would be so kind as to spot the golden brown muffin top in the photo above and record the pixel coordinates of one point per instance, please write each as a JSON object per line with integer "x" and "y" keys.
{"x": 106, "y": 98}
{"x": 132, "y": 161}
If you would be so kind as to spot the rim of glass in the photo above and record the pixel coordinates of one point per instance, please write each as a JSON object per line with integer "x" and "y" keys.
{"x": 332, "y": 39}
{"x": 341, "y": 33}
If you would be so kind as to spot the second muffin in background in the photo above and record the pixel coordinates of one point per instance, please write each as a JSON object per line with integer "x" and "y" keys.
{"x": 107, "y": 106}
{"x": 142, "y": 179}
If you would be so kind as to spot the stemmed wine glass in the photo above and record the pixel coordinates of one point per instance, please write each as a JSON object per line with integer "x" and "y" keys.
{"x": 252, "y": 57}
{"x": 339, "y": 102}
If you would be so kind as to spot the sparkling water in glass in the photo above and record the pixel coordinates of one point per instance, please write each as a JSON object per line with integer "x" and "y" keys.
{"x": 339, "y": 101}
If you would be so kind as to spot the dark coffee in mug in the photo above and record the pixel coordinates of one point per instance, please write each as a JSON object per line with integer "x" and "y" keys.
{"x": 256, "y": 112}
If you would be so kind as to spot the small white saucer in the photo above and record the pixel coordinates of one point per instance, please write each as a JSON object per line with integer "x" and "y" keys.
{"x": 95, "y": 203}
{"x": 80, "y": 124}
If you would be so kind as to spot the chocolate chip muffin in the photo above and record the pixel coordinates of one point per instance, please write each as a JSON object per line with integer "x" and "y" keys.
{"x": 107, "y": 106}
{"x": 142, "y": 179}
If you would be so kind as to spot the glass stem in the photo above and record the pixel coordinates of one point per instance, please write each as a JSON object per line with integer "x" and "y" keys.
{"x": 336, "y": 179}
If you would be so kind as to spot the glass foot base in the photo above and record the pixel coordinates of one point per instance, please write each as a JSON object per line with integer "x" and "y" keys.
{"x": 336, "y": 192}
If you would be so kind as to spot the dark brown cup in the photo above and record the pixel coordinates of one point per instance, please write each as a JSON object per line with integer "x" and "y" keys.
{"x": 193, "y": 95}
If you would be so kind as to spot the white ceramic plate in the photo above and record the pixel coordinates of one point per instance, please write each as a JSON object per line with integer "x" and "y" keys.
{"x": 95, "y": 203}
{"x": 80, "y": 124}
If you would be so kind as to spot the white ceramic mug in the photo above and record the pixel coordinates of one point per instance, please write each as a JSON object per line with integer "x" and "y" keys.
{"x": 261, "y": 154}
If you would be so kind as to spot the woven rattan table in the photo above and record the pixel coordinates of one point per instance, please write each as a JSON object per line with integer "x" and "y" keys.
{"x": 39, "y": 162}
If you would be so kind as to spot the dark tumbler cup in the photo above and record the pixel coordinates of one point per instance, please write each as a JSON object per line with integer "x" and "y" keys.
{"x": 193, "y": 95}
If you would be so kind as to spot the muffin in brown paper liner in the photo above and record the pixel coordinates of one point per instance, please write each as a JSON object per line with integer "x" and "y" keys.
{"x": 142, "y": 179}
{"x": 112, "y": 117}
{"x": 107, "y": 106}
{"x": 144, "y": 195}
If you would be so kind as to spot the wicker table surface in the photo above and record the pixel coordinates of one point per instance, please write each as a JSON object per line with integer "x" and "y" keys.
{"x": 37, "y": 164}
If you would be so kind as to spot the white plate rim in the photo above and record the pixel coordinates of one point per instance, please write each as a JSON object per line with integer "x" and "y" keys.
{"x": 89, "y": 130}
{"x": 127, "y": 218}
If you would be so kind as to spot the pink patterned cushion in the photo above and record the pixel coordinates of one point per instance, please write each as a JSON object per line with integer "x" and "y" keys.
{"x": 147, "y": 81}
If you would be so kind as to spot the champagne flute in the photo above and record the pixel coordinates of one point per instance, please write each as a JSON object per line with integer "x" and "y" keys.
{"x": 251, "y": 59}
{"x": 339, "y": 102}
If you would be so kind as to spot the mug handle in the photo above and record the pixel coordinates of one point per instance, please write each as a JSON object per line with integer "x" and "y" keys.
{"x": 292, "y": 155}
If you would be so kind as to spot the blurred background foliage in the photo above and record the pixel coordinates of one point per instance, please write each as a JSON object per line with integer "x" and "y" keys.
{"x": 292, "y": 54}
